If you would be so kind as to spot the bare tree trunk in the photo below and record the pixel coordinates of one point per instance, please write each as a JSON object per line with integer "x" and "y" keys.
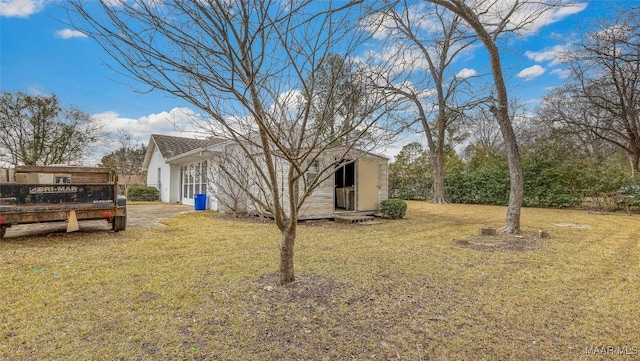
{"x": 287, "y": 273}
{"x": 438, "y": 176}
{"x": 501, "y": 111}
{"x": 516, "y": 193}
{"x": 634, "y": 158}
{"x": 516, "y": 178}
{"x": 436, "y": 148}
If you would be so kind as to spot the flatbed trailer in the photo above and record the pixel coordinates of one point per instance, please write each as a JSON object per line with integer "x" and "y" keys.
{"x": 53, "y": 194}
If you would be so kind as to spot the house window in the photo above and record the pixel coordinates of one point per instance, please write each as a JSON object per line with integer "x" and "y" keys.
{"x": 193, "y": 178}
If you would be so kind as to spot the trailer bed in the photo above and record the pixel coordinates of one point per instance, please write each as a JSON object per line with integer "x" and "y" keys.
{"x": 50, "y": 194}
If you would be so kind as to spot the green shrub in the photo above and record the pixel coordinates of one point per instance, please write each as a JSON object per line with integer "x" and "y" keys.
{"x": 410, "y": 191}
{"x": 140, "y": 192}
{"x": 550, "y": 185}
{"x": 488, "y": 184}
{"x": 628, "y": 198}
{"x": 393, "y": 208}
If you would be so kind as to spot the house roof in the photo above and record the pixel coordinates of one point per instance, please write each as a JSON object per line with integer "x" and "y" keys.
{"x": 181, "y": 149}
{"x": 171, "y": 146}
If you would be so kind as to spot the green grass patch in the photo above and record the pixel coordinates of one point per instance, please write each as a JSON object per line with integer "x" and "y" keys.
{"x": 205, "y": 288}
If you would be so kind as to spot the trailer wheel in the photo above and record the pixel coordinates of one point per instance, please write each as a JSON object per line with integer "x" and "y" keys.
{"x": 2, "y": 231}
{"x": 119, "y": 223}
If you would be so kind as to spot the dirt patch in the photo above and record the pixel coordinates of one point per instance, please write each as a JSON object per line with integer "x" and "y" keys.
{"x": 148, "y": 296}
{"x": 501, "y": 243}
{"x": 139, "y": 216}
{"x": 151, "y": 215}
{"x": 306, "y": 289}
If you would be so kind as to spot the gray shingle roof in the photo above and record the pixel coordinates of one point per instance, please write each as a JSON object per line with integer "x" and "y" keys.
{"x": 171, "y": 146}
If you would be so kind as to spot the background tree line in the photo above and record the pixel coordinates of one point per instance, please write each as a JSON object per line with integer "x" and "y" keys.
{"x": 38, "y": 130}
{"x": 560, "y": 170}
{"x": 582, "y": 143}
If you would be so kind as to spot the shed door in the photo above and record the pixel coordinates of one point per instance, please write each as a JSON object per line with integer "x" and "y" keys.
{"x": 367, "y": 188}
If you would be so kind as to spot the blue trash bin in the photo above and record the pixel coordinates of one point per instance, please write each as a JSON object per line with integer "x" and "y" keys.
{"x": 200, "y": 202}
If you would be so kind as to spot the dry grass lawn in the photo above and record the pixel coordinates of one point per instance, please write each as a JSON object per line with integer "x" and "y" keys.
{"x": 204, "y": 288}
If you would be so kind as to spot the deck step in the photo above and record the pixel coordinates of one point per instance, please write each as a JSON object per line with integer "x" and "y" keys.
{"x": 353, "y": 219}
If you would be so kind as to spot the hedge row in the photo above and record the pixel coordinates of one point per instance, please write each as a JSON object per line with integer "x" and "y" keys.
{"x": 544, "y": 186}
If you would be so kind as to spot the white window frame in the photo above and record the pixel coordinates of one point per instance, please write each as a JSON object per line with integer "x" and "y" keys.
{"x": 194, "y": 179}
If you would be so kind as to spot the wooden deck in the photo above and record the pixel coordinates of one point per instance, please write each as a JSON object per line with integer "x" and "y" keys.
{"x": 355, "y": 218}
{"x": 338, "y": 217}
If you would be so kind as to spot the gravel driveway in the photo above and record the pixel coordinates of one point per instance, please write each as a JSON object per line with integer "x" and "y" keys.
{"x": 138, "y": 216}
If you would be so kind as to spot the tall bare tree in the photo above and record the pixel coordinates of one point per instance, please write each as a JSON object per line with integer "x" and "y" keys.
{"x": 603, "y": 98}
{"x": 484, "y": 134}
{"x": 489, "y": 19}
{"x": 37, "y": 130}
{"x": 430, "y": 37}
{"x": 251, "y": 67}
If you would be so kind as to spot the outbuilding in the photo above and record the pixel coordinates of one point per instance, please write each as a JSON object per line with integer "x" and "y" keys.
{"x": 182, "y": 168}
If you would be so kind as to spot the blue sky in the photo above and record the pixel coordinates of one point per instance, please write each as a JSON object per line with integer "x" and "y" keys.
{"x": 40, "y": 54}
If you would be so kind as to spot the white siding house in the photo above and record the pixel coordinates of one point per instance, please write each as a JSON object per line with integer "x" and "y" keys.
{"x": 181, "y": 168}
{"x": 175, "y": 172}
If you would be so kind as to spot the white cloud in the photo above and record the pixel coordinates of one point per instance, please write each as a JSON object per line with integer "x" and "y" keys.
{"x": 115, "y": 2}
{"x": 422, "y": 16}
{"x": 378, "y": 25}
{"x": 383, "y": 25}
{"x": 617, "y": 31}
{"x": 289, "y": 100}
{"x": 20, "y": 8}
{"x": 397, "y": 59}
{"x": 35, "y": 90}
{"x": 527, "y": 17}
{"x": 69, "y": 33}
{"x": 466, "y": 73}
{"x": 562, "y": 73}
{"x": 557, "y": 14}
{"x": 178, "y": 122}
{"x": 565, "y": 11}
{"x": 531, "y": 72}
{"x": 552, "y": 55}
{"x": 530, "y": 17}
